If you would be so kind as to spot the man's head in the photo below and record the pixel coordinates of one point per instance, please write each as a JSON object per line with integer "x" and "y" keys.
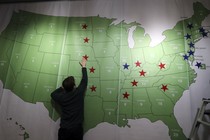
{"x": 68, "y": 83}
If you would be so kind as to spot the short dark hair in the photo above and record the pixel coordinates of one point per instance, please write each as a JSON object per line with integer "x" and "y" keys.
{"x": 68, "y": 83}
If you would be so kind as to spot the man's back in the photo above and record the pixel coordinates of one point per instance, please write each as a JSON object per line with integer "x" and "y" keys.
{"x": 71, "y": 103}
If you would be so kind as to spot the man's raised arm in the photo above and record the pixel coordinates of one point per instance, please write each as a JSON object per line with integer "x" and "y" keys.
{"x": 84, "y": 79}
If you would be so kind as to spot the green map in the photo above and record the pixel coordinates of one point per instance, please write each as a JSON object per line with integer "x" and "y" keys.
{"x": 38, "y": 51}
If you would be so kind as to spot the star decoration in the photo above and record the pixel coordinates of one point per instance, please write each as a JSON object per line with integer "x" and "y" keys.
{"x": 86, "y": 57}
{"x": 84, "y": 26}
{"x": 190, "y": 25}
{"x": 201, "y": 30}
{"x": 164, "y": 87}
{"x": 161, "y": 65}
{"x": 191, "y": 45}
{"x": 185, "y": 57}
{"x": 191, "y": 52}
{"x": 134, "y": 83}
{"x": 93, "y": 88}
{"x": 126, "y": 66}
{"x": 92, "y": 70}
{"x": 205, "y": 34}
{"x": 125, "y": 95}
{"x": 142, "y": 73}
{"x": 188, "y": 36}
{"x": 138, "y": 64}
{"x": 86, "y": 40}
{"x": 198, "y": 64}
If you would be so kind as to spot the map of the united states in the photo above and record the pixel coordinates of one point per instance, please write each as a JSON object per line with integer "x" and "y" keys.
{"x": 125, "y": 81}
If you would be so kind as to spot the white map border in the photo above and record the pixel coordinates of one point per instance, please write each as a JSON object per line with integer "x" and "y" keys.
{"x": 153, "y": 28}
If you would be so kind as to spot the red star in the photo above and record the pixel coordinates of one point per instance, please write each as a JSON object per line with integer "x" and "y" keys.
{"x": 125, "y": 95}
{"x": 142, "y": 73}
{"x": 86, "y": 40}
{"x": 92, "y": 70}
{"x": 134, "y": 83}
{"x": 138, "y": 64}
{"x": 93, "y": 88}
{"x": 164, "y": 87}
{"x": 86, "y": 57}
{"x": 84, "y": 26}
{"x": 162, "y": 65}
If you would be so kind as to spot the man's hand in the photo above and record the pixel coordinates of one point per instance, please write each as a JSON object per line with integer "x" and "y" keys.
{"x": 83, "y": 62}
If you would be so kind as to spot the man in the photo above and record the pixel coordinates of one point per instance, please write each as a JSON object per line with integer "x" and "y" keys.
{"x": 71, "y": 101}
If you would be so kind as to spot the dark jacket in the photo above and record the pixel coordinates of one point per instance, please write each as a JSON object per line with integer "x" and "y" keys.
{"x": 72, "y": 103}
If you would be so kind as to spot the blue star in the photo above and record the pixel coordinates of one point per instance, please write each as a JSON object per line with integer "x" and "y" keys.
{"x": 191, "y": 52}
{"x": 205, "y": 34}
{"x": 126, "y": 66}
{"x": 190, "y": 25}
{"x": 185, "y": 57}
{"x": 201, "y": 30}
{"x": 191, "y": 45}
{"x": 198, "y": 64}
{"x": 188, "y": 36}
